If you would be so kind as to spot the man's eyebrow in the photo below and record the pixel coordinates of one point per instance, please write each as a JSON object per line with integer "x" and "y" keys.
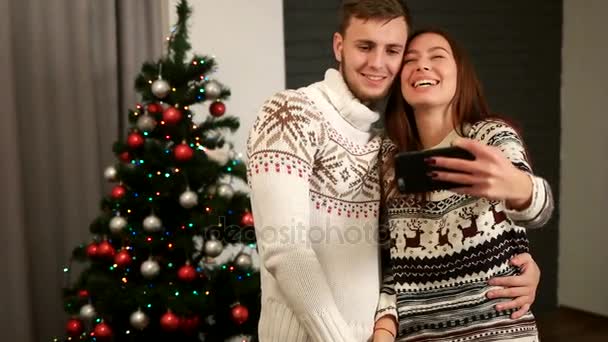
{"x": 371, "y": 42}
{"x": 365, "y": 41}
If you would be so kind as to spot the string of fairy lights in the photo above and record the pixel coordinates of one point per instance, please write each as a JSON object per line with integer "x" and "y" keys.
{"x": 150, "y": 121}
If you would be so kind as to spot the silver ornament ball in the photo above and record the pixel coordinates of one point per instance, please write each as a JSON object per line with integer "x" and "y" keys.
{"x": 146, "y": 123}
{"x": 117, "y": 224}
{"x": 212, "y": 90}
{"x": 160, "y": 88}
{"x": 226, "y": 191}
{"x": 139, "y": 320}
{"x": 213, "y": 248}
{"x": 87, "y": 312}
{"x": 152, "y": 224}
{"x": 188, "y": 199}
{"x": 110, "y": 173}
{"x": 149, "y": 269}
{"x": 243, "y": 261}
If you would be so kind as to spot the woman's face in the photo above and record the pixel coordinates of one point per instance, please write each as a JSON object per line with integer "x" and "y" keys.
{"x": 429, "y": 75}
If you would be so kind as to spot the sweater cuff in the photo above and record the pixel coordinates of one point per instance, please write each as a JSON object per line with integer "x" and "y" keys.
{"x": 536, "y": 204}
{"x": 386, "y": 306}
{"x": 324, "y": 326}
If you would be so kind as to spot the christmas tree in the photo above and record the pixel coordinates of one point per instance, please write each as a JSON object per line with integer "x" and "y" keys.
{"x": 172, "y": 254}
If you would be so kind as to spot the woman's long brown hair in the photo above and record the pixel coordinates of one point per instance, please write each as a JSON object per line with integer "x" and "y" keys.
{"x": 468, "y": 105}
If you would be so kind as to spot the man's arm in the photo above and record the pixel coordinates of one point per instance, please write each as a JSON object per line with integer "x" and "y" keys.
{"x": 281, "y": 150}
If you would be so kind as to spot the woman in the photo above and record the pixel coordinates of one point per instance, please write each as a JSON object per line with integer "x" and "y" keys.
{"x": 446, "y": 245}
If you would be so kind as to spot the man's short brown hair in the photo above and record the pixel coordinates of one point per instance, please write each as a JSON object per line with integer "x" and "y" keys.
{"x": 372, "y": 9}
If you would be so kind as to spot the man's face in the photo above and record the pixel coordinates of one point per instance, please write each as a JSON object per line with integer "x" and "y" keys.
{"x": 370, "y": 54}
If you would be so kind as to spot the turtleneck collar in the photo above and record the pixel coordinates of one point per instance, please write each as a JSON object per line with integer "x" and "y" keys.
{"x": 348, "y": 106}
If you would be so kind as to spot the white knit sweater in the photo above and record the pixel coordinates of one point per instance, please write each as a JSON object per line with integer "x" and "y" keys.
{"x": 312, "y": 164}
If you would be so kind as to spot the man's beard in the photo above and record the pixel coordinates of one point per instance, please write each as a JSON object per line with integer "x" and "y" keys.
{"x": 358, "y": 94}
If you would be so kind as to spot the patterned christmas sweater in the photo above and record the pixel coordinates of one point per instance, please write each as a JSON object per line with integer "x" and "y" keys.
{"x": 315, "y": 191}
{"x": 442, "y": 252}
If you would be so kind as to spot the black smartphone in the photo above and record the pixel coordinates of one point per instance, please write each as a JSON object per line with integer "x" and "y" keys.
{"x": 412, "y": 171}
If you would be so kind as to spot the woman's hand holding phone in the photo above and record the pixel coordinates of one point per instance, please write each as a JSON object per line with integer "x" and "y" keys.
{"x": 490, "y": 174}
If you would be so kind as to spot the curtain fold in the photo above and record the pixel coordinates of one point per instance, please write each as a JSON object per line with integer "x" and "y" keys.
{"x": 66, "y": 65}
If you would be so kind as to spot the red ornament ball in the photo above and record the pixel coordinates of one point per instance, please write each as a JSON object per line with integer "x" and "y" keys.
{"x": 92, "y": 250}
{"x": 118, "y": 192}
{"x": 240, "y": 314}
{"x": 169, "y": 321}
{"x": 186, "y": 273}
{"x": 135, "y": 140}
{"x": 183, "y": 152}
{"x": 172, "y": 115}
{"x": 247, "y": 219}
{"x": 122, "y": 259}
{"x": 189, "y": 325}
{"x": 154, "y": 108}
{"x": 74, "y": 327}
{"x": 102, "y": 331}
{"x": 125, "y": 157}
{"x": 105, "y": 250}
{"x": 217, "y": 108}
{"x": 83, "y": 294}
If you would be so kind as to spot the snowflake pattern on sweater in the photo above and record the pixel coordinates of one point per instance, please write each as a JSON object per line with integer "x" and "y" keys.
{"x": 313, "y": 171}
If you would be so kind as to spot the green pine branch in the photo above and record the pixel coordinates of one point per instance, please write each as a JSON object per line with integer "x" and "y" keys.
{"x": 179, "y": 44}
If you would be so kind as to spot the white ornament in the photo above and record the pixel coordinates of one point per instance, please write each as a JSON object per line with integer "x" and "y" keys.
{"x": 160, "y": 88}
{"x": 212, "y": 90}
{"x": 243, "y": 261}
{"x": 139, "y": 320}
{"x": 152, "y": 224}
{"x": 87, "y": 312}
{"x": 188, "y": 199}
{"x": 117, "y": 224}
{"x": 110, "y": 173}
{"x": 149, "y": 269}
{"x": 226, "y": 191}
{"x": 213, "y": 248}
{"x": 146, "y": 123}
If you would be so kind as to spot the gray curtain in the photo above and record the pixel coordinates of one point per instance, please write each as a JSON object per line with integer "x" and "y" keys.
{"x": 64, "y": 66}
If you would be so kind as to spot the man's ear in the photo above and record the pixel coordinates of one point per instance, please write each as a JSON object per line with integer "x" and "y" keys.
{"x": 338, "y": 46}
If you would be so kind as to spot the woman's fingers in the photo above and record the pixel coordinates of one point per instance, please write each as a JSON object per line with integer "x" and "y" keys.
{"x": 512, "y": 304}
{"x": 455, "y": 164}
{"x": 477, "y": 148}
{"x": 510, "y": 292}
{"x": 454, "y": 177}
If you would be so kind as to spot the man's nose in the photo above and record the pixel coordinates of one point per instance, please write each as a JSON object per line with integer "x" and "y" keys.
{"x": 376, "y": 59}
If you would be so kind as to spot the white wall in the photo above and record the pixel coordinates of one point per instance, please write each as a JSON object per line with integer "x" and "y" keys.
{"x": 246, "y": 39}
{"x": 583, "y": 263}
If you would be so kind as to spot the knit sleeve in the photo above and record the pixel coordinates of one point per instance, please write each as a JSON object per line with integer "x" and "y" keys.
{"x": 506, "y": 138}
{"x": 387, "y": 302}
{"x": 281, "y": 152}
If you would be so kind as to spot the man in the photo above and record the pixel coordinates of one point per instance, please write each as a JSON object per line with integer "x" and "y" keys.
{"x": 312, "y": 164}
